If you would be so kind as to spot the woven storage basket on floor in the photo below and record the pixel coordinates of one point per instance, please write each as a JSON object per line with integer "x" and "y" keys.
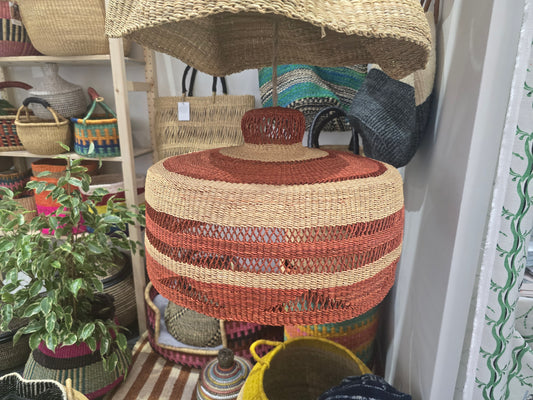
{"x": 42, "y": 137}
{"x": 15, "y": 181}
{"x": 358, "y": 334}
{"x": 9, "y": 140}
{"x": 119, "y": 284}
{"x": 238, "y": 336}
{"x": 14, "y": 40}
{"x": 272, "y": 232}
{"x": 301, "y": 368}
{"x": 221, "y": 37}
{"x": 66, "y": 98}
{"x": 101, "y": 131}
{"x": 13, "y": 356}
{"x": 66, "y": 28}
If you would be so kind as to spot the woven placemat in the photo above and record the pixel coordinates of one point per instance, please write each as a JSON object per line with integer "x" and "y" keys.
{"x": 151, "y": 377}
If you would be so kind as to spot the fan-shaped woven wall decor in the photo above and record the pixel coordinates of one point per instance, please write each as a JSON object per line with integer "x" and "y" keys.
{"x": 272, "y": 232}
{"x": 221, "y": 37}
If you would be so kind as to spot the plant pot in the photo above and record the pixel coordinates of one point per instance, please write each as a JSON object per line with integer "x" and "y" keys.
{"x": 77, "y": 362}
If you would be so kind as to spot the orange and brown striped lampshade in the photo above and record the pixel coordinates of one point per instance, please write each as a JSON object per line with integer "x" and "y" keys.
{"x": 272, "y": 232}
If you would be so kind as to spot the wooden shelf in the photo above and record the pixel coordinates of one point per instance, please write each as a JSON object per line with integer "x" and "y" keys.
{"x": 85, "y": 60}
{"x": 26, "y": 154}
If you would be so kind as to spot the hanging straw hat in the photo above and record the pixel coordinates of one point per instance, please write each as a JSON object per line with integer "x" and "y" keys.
{"x": 221, "y": 37}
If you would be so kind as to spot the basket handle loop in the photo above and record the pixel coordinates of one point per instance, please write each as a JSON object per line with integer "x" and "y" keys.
{"x": 37, "y": 100}
{"x": 259, "y": 342}
{"x": 319, "y": 122}
{"x": 14, "y": 84}
{"x": 184, "y": 81}
{"x": 97, "y": 99}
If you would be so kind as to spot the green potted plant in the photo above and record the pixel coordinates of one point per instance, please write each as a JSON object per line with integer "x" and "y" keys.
{"x": 55, "y": 281}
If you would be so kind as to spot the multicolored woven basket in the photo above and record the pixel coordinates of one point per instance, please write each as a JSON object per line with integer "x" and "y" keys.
{"x": 14, "y": 40}
{"x": 16, "y": 181}
{"x": 272, "y": 232}
{"x": 101, "y": 132}
{"x": 9, "y": 140}
{"x": 238, "y": 336}
{"x": 357, "y": 334}
{"x": 77, "y": 362}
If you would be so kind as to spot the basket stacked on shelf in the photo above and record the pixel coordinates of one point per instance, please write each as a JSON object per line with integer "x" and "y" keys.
{"x": 16, "y": 182}
{"x": 14, "y": 39}
{"x": 101, "y": 131}
{"x": 9, "y": 140}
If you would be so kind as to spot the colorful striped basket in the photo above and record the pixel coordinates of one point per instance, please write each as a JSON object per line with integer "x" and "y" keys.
{"x": 238, "y": 336}
{"x": 101, "y": 132}
{"x": 9, "y": 140}
{"x": 16, "y": 181}
{"x": 77, "y": 362}
{"x": 357, "y": 334}
{"x": 272, "y": 232}
{"x": 14, "y": 40}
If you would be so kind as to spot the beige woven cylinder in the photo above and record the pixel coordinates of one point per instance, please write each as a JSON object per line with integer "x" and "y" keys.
{"x": 221, "y": 37}
{"x": 66, "y": 28}
{"x": 28, "y": 203}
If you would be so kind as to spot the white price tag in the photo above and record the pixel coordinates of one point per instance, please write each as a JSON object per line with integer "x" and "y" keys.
{"x": 184, "y": 113}
{"x": 15, "y": 13}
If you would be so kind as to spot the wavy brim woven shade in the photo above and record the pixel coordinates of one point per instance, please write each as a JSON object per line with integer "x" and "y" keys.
{"x": 221, "y": 37}
{"x": 272, "y": 232}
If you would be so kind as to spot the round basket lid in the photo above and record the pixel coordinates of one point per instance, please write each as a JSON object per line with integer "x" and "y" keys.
{"x": 239, "y": 34}
{"x": 223, "y": 377}
{"x": 272, "y": 232}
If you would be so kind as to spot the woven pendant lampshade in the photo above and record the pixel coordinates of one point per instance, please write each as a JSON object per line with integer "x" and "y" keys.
{"x": 220, "y": 37}
{"x": 272, "y": 232}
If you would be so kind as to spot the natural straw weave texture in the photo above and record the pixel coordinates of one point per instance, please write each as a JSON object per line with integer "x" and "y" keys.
{"x": 221, "y": 37}
{"x": 14, "y": 40}
{"x": 300, "y": 368}
{"x": 272, "y": 232}
{"x": 66, "y": 28}
{"x": 42, "y": 137}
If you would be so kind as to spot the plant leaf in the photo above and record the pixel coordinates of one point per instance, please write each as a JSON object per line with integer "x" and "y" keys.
{"x": 46, "y": 307}
{"x": 95, "y": 248}
{"x": 122, "y": 341}
{"x": 51, "y": 322}
{"x": 75, "y": 286}
{"x": 104, "y": 345}
{"x": 31, "y": 310}
{"x": 6, "y": 246}
{"x": 35, "y": 288}
{"x": 35, "y": 340}
{"x": 70, "y": 339}
{"x": 91, "y": 342}
{"x": 87, "y": 330}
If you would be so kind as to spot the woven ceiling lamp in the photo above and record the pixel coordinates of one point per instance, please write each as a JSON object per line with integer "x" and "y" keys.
{"x": 272, "y": 232}
{"x": 220, "y": 37}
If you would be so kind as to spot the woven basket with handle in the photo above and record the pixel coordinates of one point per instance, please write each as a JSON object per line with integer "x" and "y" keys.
{"x": 9, "y": 140}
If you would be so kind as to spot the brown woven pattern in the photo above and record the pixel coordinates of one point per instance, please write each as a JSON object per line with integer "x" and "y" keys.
{"x": 221, "y": 37}
{"x": 302, "y": 244}
{"x": 214, "y": 122}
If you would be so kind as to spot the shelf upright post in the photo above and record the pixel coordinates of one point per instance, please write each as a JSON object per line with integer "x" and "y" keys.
{"x": 120, "y": 85}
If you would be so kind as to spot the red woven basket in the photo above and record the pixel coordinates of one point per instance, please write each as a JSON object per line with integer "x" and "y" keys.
{"x": 9, "y": 140}
{"x": 14, "y": 40}
{"x": 239, "y": 337}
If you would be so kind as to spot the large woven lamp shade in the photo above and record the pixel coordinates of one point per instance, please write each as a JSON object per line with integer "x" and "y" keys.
{"x": 272, "y": 232}
{"x": 221, "y": 37}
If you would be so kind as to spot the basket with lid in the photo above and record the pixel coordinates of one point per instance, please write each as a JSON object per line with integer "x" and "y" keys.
{"x": 272, "y": 232}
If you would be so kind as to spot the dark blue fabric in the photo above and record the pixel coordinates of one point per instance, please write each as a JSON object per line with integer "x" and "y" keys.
{"x": 364, "y": 387}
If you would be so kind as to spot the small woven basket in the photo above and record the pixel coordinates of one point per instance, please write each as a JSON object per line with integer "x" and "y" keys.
{"x": 15, "y": 181}
{"x": 12, "y": 356}
{"x": 28, "y": 203}
{"x": 301, "y": 368}
{"x": 57, "y": 167}
{"x": 9, "y": 140}
{"x": 42, "y": 137}
{"x": 238, "y": 336}
{"x": 15, "y": 40}
{"x": 101, "y": 132}
{"x": 357, "y": 334}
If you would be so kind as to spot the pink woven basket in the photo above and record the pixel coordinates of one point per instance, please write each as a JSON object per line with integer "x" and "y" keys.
{"x": 14, "y": 40}
{"x": 239, "y": 337}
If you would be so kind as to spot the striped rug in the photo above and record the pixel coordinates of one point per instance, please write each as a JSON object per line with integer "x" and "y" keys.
{"x": 151, "y": 377}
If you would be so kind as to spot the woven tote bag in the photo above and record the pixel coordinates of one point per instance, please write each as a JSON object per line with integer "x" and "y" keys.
{"x": 272, "y": 232}
{"x": 213, "y": 121}
{"x": 309, "y": 89}
{"x": 300, "y": 368}
{"x": 9, "y": 140}
{"x": 14, "y": 40}
{"x": 66, "y": 28}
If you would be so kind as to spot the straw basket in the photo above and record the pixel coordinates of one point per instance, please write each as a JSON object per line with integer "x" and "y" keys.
{"x": 66, "y": 28}
{"x": 301, "y": 368}
{"x": 15, "y": 181}
{"x": 9, "y": 140}
{"x": 101, "y": 132}
{"x": 357, "y": 335}
{"x": 13, "y": 386}
{"x": 15, "y": 40}
{"x": 12, "y": 356}
{"x": 28, "y": 202}
{"x": 42, "y": 137}
{"x": 238, "y": 336}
